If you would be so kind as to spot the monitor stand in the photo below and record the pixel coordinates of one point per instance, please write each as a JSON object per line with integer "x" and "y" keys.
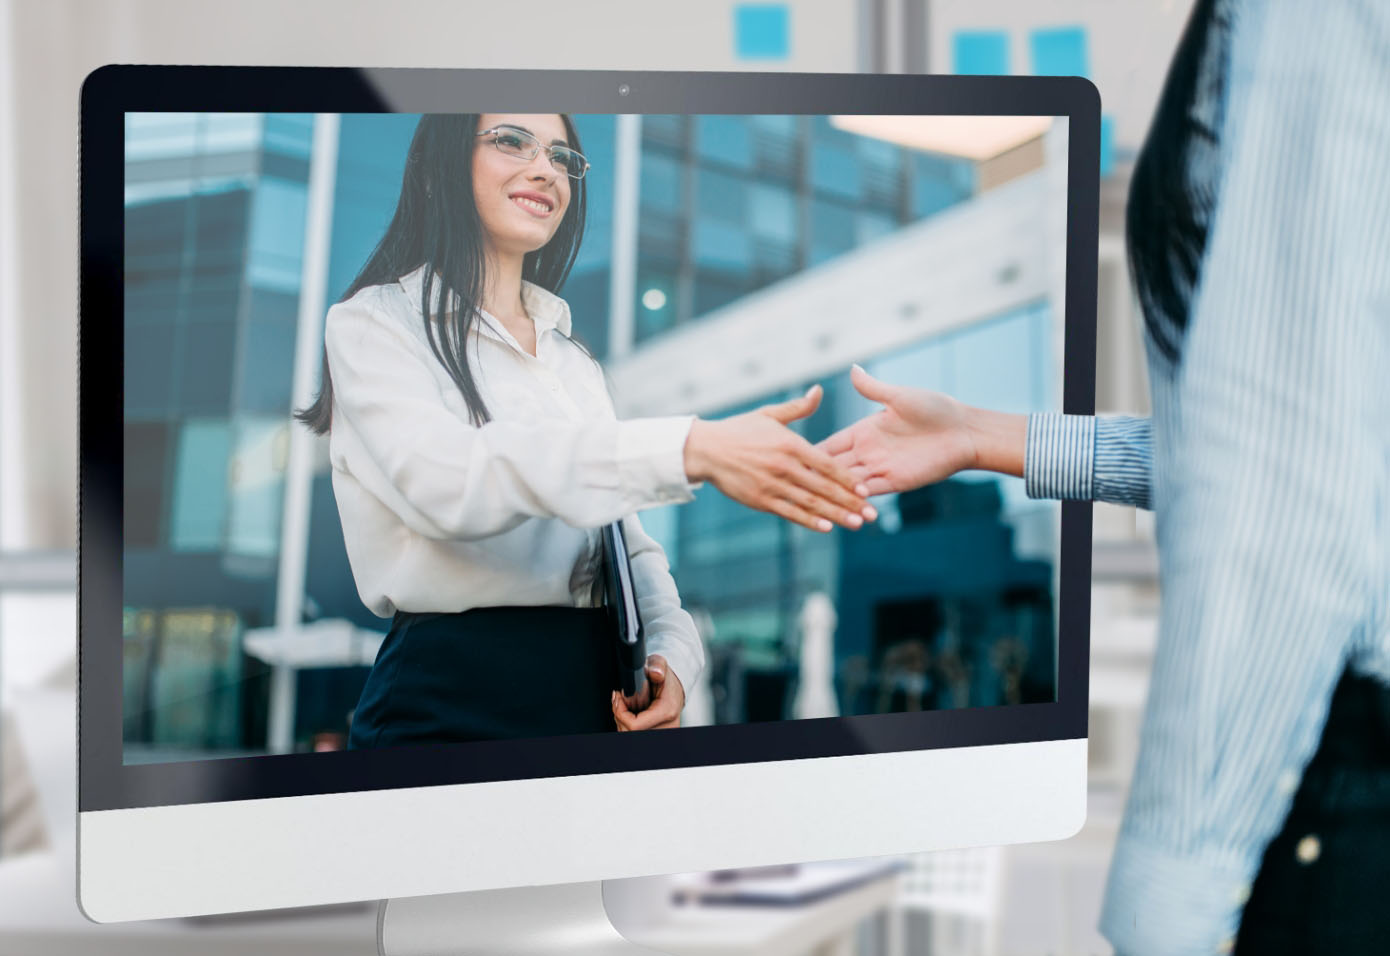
{"x": 569, "y": 919}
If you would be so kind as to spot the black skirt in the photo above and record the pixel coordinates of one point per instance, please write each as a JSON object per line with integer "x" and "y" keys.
{"x": 489, "y": 674}
{"x": 1322, "y": 883}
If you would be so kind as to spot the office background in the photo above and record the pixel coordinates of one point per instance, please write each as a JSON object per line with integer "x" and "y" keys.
{"x": 1046, "y": 898}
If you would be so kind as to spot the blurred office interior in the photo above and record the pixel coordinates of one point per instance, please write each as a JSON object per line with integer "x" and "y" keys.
{"x": 722, "y": 227}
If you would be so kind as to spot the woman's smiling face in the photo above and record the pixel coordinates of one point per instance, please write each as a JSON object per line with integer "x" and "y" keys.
{"x": 520, "y": 202}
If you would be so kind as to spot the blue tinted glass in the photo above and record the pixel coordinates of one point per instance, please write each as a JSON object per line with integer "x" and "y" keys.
{"x": 205, "y": 367}
{"x": 160, "y": 135}
{"x": 267, "y": 367}
{"x": 230, "y": 132}
{"x": 662, "y": 182}
{"x": 663, "y": 525}
{"x": 149, "y": 367}
{"x": 938, "y": 182}
{"x": 277, "y": 234}
{"x": 199, "y": 510}
{"x": 724, "y": 139}
{"x": 869, "y": 226}
{"x": 714, "y": 290}
{"x": 596, "y": 139}
{"x": 655, "y": 311}
{"x": 257, "y": 487}
{"x": 371, "y": 161}
{"x": 832, "y": 230}
{"x": 994, "y": 364}
{"x": 290, "y": 133}
{"x": 783, "y": 126}
{"x": 722, "y": 246}
{"x": 773, "y": 213}
{"x": 835, "y": 171}
{"x": 721, "y": 197}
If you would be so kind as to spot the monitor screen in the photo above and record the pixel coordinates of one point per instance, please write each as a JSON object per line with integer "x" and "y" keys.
{"x": 726, "y": 262}
{"x": 294, "y": 592}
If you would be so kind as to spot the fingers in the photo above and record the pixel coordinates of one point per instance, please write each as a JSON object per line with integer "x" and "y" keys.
{"x": 838, "y": 443}
{"x": 815, "y": 492}
{"x": 790, "y": 411}
{"x": 881, "y": 486}
{"x": 797, "y": 514}
{"x": 662, "y": 713}
{"x": 819, "y": 461}
{"x": 622, "y": 716}
{"x": 870, "y": 387}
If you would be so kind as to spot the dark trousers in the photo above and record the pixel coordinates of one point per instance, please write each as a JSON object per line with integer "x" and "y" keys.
{"x": 488, "y": 674}
{"x": 1324, "y": 883}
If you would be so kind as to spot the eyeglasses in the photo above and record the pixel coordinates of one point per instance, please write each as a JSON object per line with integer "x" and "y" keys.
{"x": 522, "y": 145}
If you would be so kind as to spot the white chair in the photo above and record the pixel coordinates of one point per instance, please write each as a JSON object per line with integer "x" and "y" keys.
{"x": 960, "y": 890}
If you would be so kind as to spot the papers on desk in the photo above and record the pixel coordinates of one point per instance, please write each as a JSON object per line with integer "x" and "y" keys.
{"x": 780, "y": 886}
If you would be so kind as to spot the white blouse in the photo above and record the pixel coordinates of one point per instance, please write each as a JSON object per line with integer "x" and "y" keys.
{"x": 439, "y": 514}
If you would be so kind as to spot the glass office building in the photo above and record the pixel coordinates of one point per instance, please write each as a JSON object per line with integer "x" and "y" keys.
{"x": 216, "y": 210}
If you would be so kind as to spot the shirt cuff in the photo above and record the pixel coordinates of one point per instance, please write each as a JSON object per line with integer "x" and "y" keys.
{"x": 1158, "y": 902}
{"x": 651, "y": 460}
{"x": 1059, "y": 456}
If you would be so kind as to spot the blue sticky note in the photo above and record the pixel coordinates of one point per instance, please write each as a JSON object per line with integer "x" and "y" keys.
{"x": 762, "y": 31}
{"x": 1107, "y": 145}
{"x": 1059, "y": 51}
{"x": 980, "y": 52}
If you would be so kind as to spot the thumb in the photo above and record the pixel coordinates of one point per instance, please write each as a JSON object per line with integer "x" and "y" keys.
{"x": 870, "y": 387}
{"x": 656, "y": 669}
{"x": 789, "y": 411}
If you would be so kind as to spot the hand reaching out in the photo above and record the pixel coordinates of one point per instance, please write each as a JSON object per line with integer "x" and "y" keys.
{"x": 920, "y": 437}
{"x": 758, "y": 461}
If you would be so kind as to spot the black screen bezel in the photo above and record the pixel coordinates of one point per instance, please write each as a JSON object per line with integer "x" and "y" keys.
{"x": 106, "y": 783}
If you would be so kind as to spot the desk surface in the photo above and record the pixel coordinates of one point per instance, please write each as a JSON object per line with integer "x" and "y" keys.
{"x": 767, "y": 931}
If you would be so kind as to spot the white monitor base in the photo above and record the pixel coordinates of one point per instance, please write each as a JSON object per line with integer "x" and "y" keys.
{"x": 566, "y": 919}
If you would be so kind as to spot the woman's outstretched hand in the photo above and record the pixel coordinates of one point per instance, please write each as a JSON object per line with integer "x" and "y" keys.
{"x": 660, "y": 703}
{"x": 758, "y": 461}
{"x": 920, "y": 437}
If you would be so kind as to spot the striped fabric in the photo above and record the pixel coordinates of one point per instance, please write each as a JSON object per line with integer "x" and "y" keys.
{"x": 1270, "y": 474}
{"x": 1089, "y": 459}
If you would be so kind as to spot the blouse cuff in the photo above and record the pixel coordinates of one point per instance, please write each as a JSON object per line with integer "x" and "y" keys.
{"x": 651, "y": 460}
{"x": 1059, "y": 456}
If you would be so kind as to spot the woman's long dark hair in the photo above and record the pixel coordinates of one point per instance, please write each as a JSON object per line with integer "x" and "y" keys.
{"x": 436, "y": 225}
{"x": 1173, "y": 191}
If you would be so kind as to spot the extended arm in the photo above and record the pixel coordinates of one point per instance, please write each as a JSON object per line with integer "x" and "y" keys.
{"x": 447, "y": 478}
{"x": 920, "y": 437}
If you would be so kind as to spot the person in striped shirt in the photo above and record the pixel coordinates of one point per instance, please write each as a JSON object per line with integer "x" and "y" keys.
{"x": 1258, "y": 820}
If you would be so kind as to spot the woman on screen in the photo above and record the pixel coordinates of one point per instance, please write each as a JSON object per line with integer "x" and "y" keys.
{"x": 476, "y": 453}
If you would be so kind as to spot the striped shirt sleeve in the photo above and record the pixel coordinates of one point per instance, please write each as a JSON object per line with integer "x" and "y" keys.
{"x": 1087, "y": 458}
{"x": 1271, "y": 474}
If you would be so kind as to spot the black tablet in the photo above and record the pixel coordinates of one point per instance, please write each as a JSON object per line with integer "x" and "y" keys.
{"x": 629, "y": 640}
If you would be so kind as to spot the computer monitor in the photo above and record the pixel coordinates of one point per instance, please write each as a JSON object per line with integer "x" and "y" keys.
{"x": 920, "y": 683}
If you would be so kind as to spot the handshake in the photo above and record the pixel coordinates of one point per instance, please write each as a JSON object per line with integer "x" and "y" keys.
{"x": 917, "y": 438}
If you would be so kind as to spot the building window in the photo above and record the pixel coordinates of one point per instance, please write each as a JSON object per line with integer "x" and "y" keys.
{"x": 145, "y": 470}
{"x": 199, "y": 511}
